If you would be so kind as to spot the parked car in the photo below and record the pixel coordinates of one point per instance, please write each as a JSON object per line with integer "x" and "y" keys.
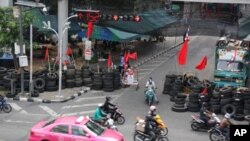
{"x": 72, "y": 128}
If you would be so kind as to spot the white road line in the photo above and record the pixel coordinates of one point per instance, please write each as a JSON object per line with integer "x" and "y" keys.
{"x": 142, "y": 69}
{"x": 48, "y": 110}
{"x": 17, "y": 121}
{"x": 17, "y": 107}
{"x": 77, "y": 106}
{"x": 93, "y": 97}
{"x": 79, "y": 113}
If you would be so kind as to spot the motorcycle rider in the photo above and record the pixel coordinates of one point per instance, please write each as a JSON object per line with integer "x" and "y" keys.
{"x": 99, "y": 115}
{"x": 151, "y": 84}
{"x": 150, "y": 127}
{"x": 108, "y": 106}
{"x": 152, "y": 111}
{"x": 225, "y": 123}
{"x": 204, "y": 113}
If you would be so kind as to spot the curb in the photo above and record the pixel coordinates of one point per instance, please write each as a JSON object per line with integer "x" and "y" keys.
{"x": 31, "y": 99}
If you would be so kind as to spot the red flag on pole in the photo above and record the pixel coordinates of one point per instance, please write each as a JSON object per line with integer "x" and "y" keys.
{"x": 109, "y": 63}
{"x": 69, "y": 51}
{"x": 202, "y": 64}
{"x": 46, "y": 54}
{"x": 133, "y": 56}
{"x": 182, "y": 57}
{"x": 90, "y": 29}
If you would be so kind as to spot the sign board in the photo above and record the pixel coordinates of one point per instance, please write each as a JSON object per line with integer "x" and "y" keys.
{"x": 16, "y": 11}
{"x": 87, "y": 53}
{"x": 17, "y": 49}
{"x": 230, "y": 55}
{"x": 23, "y": 61}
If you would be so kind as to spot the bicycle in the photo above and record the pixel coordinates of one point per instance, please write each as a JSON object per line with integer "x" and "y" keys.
{"x": 4, "y": 106}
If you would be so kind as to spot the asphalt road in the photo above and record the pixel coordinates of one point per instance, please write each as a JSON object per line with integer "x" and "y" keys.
{"x": 16, "y": 125}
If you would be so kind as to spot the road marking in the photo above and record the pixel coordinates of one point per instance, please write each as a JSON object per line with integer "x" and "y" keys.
{"x": 17, "y": 121}
{"x": 143, "y": 69}
{"x": 93, "y": 97}
{"x": 48, "y": 110}
{"x": 77, "y": 106}
{"x": 17, "y": 107}
{"x": 79, "y": 113}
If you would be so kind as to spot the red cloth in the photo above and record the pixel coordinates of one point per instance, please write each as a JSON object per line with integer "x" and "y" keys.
{"x": 182, "y": 57}
{"x": 133, "y": 56}
{"x": 90, "y": 29}
{"x": 204, "y": 92}
{"x": 69, "y": 51}
{"x": 202, "y": 64}
{"x": 46, "y": 57}
{"x": 109, "y": 62}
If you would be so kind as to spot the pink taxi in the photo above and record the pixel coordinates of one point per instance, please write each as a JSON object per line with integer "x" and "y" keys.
{"x": 72, "y": 128}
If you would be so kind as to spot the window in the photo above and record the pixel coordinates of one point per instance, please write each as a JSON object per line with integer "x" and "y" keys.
{"x": 94, "y": 128}
{"x": 61, "y": 129}
{"x": 229, "y": 66}
{"x": 78, "y": 131}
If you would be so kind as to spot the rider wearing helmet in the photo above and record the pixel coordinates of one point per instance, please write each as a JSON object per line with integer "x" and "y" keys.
{"x": 150, "y": 127}
{"x": 204, "y": 112}
{"x": 108, "y": 106}
{"x": 225, "y": 123}
{"x": 152, "y": 111}
{"x": 151, "y": 84}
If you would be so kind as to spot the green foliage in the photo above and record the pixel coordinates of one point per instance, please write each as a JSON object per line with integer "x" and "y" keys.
{"x": 9, "y": 26}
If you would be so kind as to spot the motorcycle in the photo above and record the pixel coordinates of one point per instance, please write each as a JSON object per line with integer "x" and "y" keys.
{"x": 109, "y": 123}
{"x": 199, "y": 125}
{"x": 140, "y": 136}
{"x": 117, "y": 115}
{"x": 4, "y": 106}
{"x": 149, "y": 96}
{"x": 161, "y": 126}
{"x": 215, "y": 134}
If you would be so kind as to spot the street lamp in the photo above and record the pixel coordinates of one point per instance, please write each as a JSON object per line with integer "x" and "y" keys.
{"x": 60, "y": 39}
{"x": 21, "y": 3}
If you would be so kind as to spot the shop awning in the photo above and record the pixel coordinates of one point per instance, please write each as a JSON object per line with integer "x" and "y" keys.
{"x": 110, "y": 34}
{"x": 151, "y": 21}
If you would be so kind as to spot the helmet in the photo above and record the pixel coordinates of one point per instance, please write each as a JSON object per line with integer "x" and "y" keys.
{"x": 227, "y": 115}
{"x": 100, "y": 105}
{"x": 108, "y": 98}
{"x": 152, "y": 108}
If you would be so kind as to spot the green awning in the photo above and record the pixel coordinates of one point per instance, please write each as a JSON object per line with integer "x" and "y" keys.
{"x": 151, "y": 21}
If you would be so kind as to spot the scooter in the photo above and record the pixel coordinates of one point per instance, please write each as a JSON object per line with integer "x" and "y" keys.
{"x": 149, "y": 96}
{"x": 199, "y": 125}
{"x": 215, "y": 134}
{"x": 117, "y": 115}
{"x": 140, "y": 136}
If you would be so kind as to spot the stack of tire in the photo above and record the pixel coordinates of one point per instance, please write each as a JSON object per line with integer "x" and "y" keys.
{"x": 108, "y": 81}
{"x": 215, "y": 102}
{"x": 226, "y": 94}
{"x": 239, "y": 105}
{"x": 179, "y": 105}
{"x": 51, "y": 81}
{"x": 169, "y": 79}
{"x": 97, "y": 81}
{"x": 193, "y": 102}
{"x": 70, "y": 74}
{"x": 78, "y": 78}
{"x": 3, "y": 72}
{"x": 246, "y": 97}
{"x": 193, "y": 83}
{"x": 117, "y": 79}
{"x": 86, "y": 75}
{"x": 6, "y": 83}
{"x": 177, "y": 87}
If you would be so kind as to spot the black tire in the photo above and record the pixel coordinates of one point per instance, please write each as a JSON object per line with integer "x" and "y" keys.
{"x": 39, "y": 83}
{"x": 164, "y": 131}
{"x": 50, "y": 89}
{"x": 120, "y": 120}
{"x": 35, "y": 93}
{"x": 3, "y": 70}
{"x": 162, "y": 138}
{"x": 179, "y": 109}
{"x": 7, "y": 108}
{"x": 70, "y": 83}
{"x": 195, "y": 126}
{"x": 51, "y": 76}
{"x": 179, "y": 105}
{"x": 239, "y": 117}
{"x": 228, "y": 108}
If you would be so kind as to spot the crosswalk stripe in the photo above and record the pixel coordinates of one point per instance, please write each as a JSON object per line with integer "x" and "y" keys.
{"x": 143, "y": 69}
{"x": 79, "y": 113}
{"x": 93, "y": 97}
{"x": 77, "y": 106}
{"x": 17, "y": 107}
{"x": 48, "y": 110}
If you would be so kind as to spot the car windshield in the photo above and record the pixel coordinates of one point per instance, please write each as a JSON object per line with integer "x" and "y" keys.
{"x": 94, "y": 127}
{"x": 229, "y": 66}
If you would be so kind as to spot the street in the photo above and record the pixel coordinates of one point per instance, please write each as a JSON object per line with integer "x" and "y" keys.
{"x": 15, "y": 126}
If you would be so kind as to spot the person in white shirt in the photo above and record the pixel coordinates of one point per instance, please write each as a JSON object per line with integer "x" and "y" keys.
{"x": 151, "y": 83}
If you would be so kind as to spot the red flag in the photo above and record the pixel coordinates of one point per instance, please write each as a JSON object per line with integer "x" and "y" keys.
{"x": 202, "y": 64}
{"x": 204, "y": 92}
{"x": 126, "y": 58}
{"x": 109, "y": 63}
{"x": 133, "y": 56}
{"x": 90, "y": 29}
{"x": 233, "y": 57}
{"x": 69, "y": 51}
{"x": 183, "y": 53}
{"x": 46, "y": 54}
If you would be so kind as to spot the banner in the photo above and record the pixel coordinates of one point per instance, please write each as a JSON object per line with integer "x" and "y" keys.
{"x": 87, "y": 53}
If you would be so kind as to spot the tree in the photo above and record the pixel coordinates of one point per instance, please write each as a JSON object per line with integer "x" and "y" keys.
{"x": 9, "y": 26}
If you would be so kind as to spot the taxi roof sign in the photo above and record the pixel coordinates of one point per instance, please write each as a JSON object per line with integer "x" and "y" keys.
{"x": 79, "y": 120}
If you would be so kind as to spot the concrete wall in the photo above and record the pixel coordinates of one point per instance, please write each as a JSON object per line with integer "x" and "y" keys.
{"x": 6, "y": 3}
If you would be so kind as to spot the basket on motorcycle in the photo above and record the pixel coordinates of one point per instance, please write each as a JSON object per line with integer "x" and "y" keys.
{"x": 140, "y": 125}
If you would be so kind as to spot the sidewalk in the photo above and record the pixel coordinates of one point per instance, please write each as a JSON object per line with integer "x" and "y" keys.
{"x": 146, "y": 52}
